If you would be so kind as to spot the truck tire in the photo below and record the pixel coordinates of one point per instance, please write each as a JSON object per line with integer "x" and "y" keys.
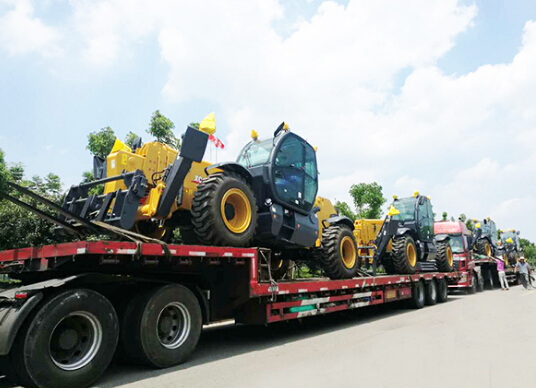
{"x": 431, "y": 292}
{"x": 442, "y": 290}
{"x": 68, "y": 341}
{"x": 489, "y": 279}
{"x": 279, "y": 268}
{"x": 480, "y": 287}
{"x": 160, "y": 327}
{"x": 417, "y": 295}
{"x": 224, "y": 211}
{"x": 473, "y": 288}
{"x": 483, "y": 247}
{"x": 388, "y": 265}
{"x": 404, "y": 255}
{"x": 339, "y": 252}
{"x": 444, "y": 258}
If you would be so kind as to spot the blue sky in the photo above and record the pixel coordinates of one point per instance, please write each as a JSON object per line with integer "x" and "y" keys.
{"x": 420, "y": 95}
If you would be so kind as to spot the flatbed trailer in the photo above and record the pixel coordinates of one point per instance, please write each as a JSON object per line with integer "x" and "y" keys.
{"x": 488, "y": 270}
{"x": 79, "y": 303}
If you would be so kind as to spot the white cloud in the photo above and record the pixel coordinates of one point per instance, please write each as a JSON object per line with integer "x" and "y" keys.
{"x": 22, "y": 33}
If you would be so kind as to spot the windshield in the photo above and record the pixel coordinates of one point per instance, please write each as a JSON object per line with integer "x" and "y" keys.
{"x": 255, "y": 153}
{"x": 507, "y": 235}
{"x": 456, "y": 243}
{"x": 406, "y": 207}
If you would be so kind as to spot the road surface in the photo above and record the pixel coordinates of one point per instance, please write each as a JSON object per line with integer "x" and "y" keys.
{"x": 483, "y": 340}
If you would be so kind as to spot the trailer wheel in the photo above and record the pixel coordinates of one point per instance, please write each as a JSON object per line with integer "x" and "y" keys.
{"x": 431, "y": 292}
{"x": 417, "y": 295}
{"x": 404, "y": 255}
{"x": 444, "y": 258}
{"x": 339, "y": 252}
{"x": 442, "y": 290}
{"x": 224, "y": 211}
{"x": 472, "y": 290}
{"x": 161, "y": 327}
{"x": 480, "y": 283}
{"x": 67, "y": 342}
{"x": 490, "y": 282}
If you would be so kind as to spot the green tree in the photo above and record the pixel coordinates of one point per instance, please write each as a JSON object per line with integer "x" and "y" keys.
{"x": 368, "y": 200}
{"x": 162, "y": 129}
{"x": 445, "y": 215}
{"x": 4, "y": 173}
{"x": 469, "y": 224}
{"x": 130, "y": 139}
{"x": 463, "y": 218}
{"x": 100, "y": 143}
{"x": 345, "y": 210}
{"x": 528, "y": 250}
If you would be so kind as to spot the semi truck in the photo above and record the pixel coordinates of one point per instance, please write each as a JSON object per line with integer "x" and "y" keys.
{"x": 80, "y": 303}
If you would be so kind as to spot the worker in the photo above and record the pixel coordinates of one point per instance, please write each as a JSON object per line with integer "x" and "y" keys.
{"x": 522, "y": 267}
{"x": 502, "y": 274}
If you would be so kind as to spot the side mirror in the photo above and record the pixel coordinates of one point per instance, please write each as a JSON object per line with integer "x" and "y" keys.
{"x": 316, "y": 209}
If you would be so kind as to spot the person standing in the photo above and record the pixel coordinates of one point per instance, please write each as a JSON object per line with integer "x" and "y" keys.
{"x": 523, "y": 269}
{"x": 502, "y": 274}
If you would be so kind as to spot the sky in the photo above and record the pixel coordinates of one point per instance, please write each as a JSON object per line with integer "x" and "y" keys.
{"x": 435, "y": 96}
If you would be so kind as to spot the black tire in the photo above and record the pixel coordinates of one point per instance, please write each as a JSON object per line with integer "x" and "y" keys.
{"x": 444, "y": 258}
{"x": 388, "y": 265}
{"x": 82, "y": 319}
{"x": 171, "y": 311}
{"x": 404, "y": 256}
{"x": 473, "y": 288}
{"x": 480, "y": 287}
{"x": 442, "y": 290}
{"x": 210, "y": 222}
{"x": 417, "y": 295}
{"x": 339, "y": 252}
{"x": 483, "y": 247}
{"x": 431, "y": 292}
{"x": 279, "y": 268}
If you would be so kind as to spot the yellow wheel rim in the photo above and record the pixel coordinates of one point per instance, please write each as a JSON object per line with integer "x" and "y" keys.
{"x": 277, "y": 264}
{"x": 348, "y": 252}
{"x": 450, "y": 256}
{"x": 411, "y": 255}
{"x": 488, "y": 249}
{"x": 240, "y": 218}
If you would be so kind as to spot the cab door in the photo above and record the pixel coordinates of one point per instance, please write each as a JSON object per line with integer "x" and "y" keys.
{"x": 294, "y": 173}
{"x": 425, "y": 220}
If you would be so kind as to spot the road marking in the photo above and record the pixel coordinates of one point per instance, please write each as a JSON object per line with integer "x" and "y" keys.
{"x": 528, "y": 293}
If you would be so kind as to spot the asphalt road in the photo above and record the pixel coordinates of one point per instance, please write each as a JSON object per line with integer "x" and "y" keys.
{"x": 473, "y": 341}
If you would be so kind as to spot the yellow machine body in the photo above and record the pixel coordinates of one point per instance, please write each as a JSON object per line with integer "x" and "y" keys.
{"x": 152, "y": 159}
{"x": 365, "y": 233}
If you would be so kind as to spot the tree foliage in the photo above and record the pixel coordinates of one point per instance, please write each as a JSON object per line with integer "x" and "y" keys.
{"x": 100, "y": 143}
{"x": 368, "y": 200}
{"x": 345, "y": 210}
{"x": 162, "y": 129}
{"x": 4, "y": 172}
{"x": 529, "y": 250}
{"x": 131, "y": 139}
{"x": 444, "y": 215}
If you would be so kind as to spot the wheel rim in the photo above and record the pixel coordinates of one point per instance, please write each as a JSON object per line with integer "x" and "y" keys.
{"x": 450, "y": 256}
{"x": 236, "y": 211}
{"x": 173, "y": 325}
{"x": 488, "y": 249}
{"x": 75, "y": 341}
{"x": 411, "y": 254}
{"x": 348, "y": 252}
{"x": 277, "y": 264}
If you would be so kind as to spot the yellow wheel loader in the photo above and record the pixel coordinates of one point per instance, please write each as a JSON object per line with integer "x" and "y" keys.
{"x": 268, "y": 198}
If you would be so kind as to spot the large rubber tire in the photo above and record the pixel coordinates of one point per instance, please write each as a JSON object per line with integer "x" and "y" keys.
{"x": 82, "y": 320}
{"x": 339, "y": 252}
{"x": 442, "y": 290}
{"x": 388, "y": 265}
{"x": 279, "y": 268}
{"x": 431, "y": 292}
{"x": 473, "y": 288}
{"x": 224, "y": 211}
{"x": 490, "y": 282}
{"x": 417, "y": 300}
{"x": 444, "y": 258}
{"x": 404, "y": 256}
{"x": 483, "y": 247}
{"x": 161, "y": 327}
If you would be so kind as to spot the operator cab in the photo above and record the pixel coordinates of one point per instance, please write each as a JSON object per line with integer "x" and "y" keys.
{"x": 418, "y": 210}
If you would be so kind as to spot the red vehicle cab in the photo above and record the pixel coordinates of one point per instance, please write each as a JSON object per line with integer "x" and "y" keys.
{"x": 461, "y": 242}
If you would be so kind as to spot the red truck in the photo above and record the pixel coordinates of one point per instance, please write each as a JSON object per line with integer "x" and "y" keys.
{"x": 79, "y": 303}
{"x": 461, "y": 242}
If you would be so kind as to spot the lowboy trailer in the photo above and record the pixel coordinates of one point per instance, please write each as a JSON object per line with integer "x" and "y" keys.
{"x": 80, "y": 303}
